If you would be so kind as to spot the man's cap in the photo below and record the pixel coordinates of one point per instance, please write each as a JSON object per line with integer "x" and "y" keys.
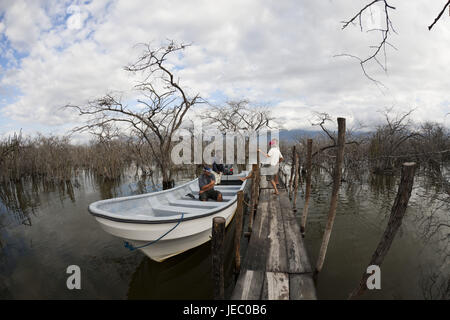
{"x": 207, "y": 169}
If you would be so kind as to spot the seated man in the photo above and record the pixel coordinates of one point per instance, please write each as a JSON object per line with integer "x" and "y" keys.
{"x": 206, "y": 183}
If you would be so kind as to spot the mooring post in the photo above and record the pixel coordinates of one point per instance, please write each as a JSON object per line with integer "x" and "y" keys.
{"x": 217, "y": 253}
{"x": 308, "y": 186}
{"x": 395, "y": 220}
{"x": 238, "y": 231}
{"x": 296, "y": 179}
{"x": 253, "y": 200}
{"x": 300, "y": 178}
{"x": 291, "y": 178}
{"x": 334, "y": 195}
{"x": 258, "y": 181}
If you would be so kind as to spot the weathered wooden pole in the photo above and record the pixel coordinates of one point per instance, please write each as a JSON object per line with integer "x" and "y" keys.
{"x": 258, "y": 180}
{"x": 300, "y": 179}
{"x": 217, "y": 253}
{"x": 238, "y": 230}
{"x": 296, "y": 178}
{"x": 334, "y": 195}
{"x": 308, "y": 186}
{"x": 253, "y": 200}
{"x": 255, "y": 194}
{"x": 395, "y": 220}
{"x": 291, "y": 178}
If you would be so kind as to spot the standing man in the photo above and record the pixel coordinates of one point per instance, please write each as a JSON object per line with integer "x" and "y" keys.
{"x": 275, "y": 157}
{"x": 206, "y": 183}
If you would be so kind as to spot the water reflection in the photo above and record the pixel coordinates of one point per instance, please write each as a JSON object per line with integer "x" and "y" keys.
{"x": 415, "y": 267}
{"x": 44, "y": 227}
{"x": 185, "y": 276}
{"x": 18, "y": 201}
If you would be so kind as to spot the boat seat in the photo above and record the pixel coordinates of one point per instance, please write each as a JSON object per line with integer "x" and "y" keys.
{"x": 223, "y": 192}
{"x": 221, "y": 189}
{"x": 225, "y": 199}
{"x": 225, "y": 187}
{"x": 195, "y": 204}
{"x": 162, "y": 211}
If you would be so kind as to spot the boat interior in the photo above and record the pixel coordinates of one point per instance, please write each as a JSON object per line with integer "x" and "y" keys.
{"x": 168, "y": 204}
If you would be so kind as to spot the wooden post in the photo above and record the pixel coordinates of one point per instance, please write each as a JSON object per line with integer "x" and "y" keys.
{"x": 300, "y": 179}
{"x": 258, "y": 181}
{"x": 296, "y": 169}
{"x": 238, "y": 231}
{"x": 308, "y": 186}
{"x": 291, "y": 179}
{"x": 253, "y": 202}
{"x": 217, "y": 253}
{"x": 395, "y": 220}
{"x": 334, "y": 195}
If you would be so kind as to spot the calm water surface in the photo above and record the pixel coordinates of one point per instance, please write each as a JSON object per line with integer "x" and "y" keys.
{"x": 417, "y": 265}
{"x": 44, "y": 229}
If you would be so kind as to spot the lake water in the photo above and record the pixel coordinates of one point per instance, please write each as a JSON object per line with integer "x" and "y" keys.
{"x": 417, "y": 265}
{"x": 44, "y": 229}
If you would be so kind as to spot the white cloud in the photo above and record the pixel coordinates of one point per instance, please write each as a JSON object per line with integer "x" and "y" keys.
{"x": 277, "y": 53}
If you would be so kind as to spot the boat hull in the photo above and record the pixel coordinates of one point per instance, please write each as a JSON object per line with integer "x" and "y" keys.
{"x": 186, "y": 235}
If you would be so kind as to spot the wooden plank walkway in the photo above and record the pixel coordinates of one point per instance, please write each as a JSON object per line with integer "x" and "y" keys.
{"x": 276, "y": 266}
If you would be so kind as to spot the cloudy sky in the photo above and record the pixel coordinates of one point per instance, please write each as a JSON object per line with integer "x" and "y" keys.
{"x": 280, "y": 54}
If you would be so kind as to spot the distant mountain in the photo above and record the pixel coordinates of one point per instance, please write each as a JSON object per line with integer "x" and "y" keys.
{"x": 291, "y": 135}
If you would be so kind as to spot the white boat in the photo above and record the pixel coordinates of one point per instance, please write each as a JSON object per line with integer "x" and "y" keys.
{"x": 166, "y": 223}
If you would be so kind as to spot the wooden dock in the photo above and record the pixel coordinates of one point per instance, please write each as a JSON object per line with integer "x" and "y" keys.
{"x": 276, "y": 265}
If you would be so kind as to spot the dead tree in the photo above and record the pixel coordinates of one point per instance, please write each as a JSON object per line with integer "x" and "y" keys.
{"x": 387, "y": 142}
{"x": 156, "y": 116}
{"x": 379, "y": 49}
{"x": 238, "y": 115}
{"x": 322, "y": 156}
{"x": 395, "y": 221}
{"x": 385, "y": 29}
{"x": 337, "y": 172}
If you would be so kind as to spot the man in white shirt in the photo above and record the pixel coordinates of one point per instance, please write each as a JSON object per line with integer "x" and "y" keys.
{"x": 275, "y": 157}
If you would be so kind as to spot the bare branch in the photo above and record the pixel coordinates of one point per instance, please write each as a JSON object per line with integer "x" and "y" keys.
{"x": 439, "y": 15}
{"x": 381, "y": 47}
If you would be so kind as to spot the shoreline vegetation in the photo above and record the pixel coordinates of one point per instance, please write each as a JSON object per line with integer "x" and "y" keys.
{"x": 381, "y": 152}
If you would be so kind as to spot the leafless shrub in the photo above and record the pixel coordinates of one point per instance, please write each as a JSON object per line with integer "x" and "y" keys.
{"x": 155, "y": 116}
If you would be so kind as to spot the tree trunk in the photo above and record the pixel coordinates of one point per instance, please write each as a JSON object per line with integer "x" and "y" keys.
{"x": 308, "y": 185}
{"x": 166, "y": 172}
{"x": 395, "y": 221}
{"x": 334, "y": 196}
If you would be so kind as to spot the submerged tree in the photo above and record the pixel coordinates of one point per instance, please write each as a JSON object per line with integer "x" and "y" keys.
{"x": 387, "y": 143}
{"x": 156, "y": 115}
